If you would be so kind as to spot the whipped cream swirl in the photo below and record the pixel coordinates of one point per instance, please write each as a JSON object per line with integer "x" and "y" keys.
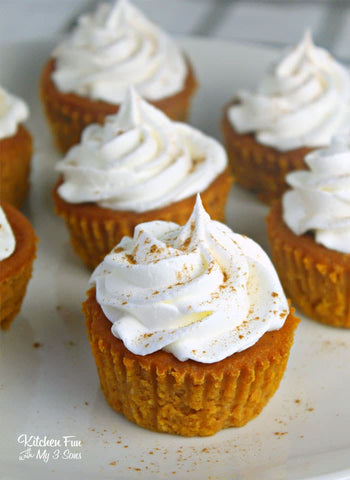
{"x": 114, "y": 47}
{"x": 7, "y": 238}
{"x": 12, "y": 112}
{"x": 320, "y": 198}
{"x": 198, "y": 291}
{"x": 303, "y": 100}
{"x": 139, "y": 160}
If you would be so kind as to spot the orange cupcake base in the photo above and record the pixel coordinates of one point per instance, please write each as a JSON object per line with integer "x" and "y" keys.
{"x": 68, "y": 114}
{"x": 16, "y": 270}
{"x": 15, "y": 156}
{"x": 316, "y": 278}
{"x": 160, "y": 393}
{"x": 258, "y": 167}
{"x": 95, "y": 231}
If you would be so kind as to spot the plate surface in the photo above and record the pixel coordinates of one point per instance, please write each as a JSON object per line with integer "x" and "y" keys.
{"x": 48, "y": 382}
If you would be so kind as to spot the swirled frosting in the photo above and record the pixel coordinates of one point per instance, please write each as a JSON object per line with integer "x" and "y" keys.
{"x": 198, "y": 291}
{"x": 7, "y": 238}
{"x": 302, "y": 101}
{"x": 12, "y": 112}
{"x": 320, "y": 198}
{"x": 139, "y": 160}
{"x": 114, "y": 47}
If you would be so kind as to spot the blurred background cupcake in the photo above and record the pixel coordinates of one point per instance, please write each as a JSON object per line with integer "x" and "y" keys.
{"x": 87, "y": 76}
{"x": 17, "y": 254}
{"x": 299, "y": 105}
{"x": 15, "y": 149}
{"x": 138, "y": 166}
{"x": 309, "y": 233}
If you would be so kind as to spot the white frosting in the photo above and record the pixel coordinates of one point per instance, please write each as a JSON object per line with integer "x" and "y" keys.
{"x": 303, "y": 100}
{"x": 12, "y": 112}
{"x": 320, "y": 198}
{"x": 7, "y": 238}
{"x": 114, "y": 47}
{"x": 139, "y": 160}
{"x": 199, "y": 291}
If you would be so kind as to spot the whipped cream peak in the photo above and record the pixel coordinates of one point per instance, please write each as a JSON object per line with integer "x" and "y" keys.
{"x": 7, "y": 237}
{"x": 302, "y": 101}
{"x": 129, "y": 114}
{"x": 320, "y": 197}
{"x": 139, "y": 160}
{"x": 135, "y": 111}
{"x": 292, "y": 62}
{"x": 13, "y": 111}
{"x": 117, "y": 15}
{"x": 198, "y": 291}
{"x": 195, "y": 228}
{"x": 318, "y": 161}
{"x": 114, "y": 47}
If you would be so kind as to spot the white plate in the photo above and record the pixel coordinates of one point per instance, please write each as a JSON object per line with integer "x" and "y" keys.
{"x": 53, "y": 390}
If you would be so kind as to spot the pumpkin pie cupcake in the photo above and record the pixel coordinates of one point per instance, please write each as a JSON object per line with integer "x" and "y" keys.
{"x": 88, "y": 74}
{"x": 309, "y": 233}
{"x": 15, "y": 149}
{"x": 17, "y": 254}
{"x": 300, "y": 104}
{"x": 139, "y": 166}
{"x": 189, "y": 326}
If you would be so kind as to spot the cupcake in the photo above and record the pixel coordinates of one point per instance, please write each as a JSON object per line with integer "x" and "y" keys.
{"x": 88, "y": 74}
{"x": 300, "y": 104}
{"x": 139, "y": 166}
{"x": 15, "y": 149}
{"x": 17, "y": 253}
{"x": 309, "y": 233}
{"x": 189, "y": 326}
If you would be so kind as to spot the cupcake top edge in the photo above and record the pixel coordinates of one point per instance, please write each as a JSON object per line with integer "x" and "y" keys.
{"x": 198, "y": 291}
{"x": 7, "y": 237}
{"x": 303, "y": 99}
{"x": 319, "y": 200}
{"x": 114, "y": 46}
{"x": 139, "y": 160}
{"x": 13, "y": 111}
